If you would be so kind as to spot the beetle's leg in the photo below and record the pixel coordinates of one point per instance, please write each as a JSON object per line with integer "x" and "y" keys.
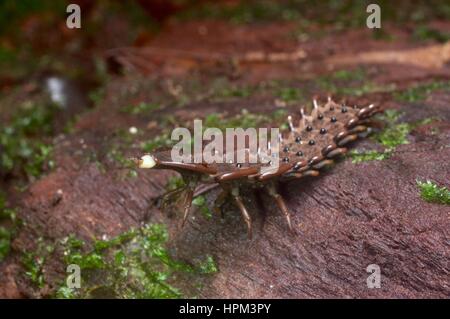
{"x": 191, "y": 182}
{"x": 164, "y": 199}
{"x": 187, "y": 205}
{"x": 280, "y": 203}
{"x": 204, "y": 188}
{"x": 220, "y": 201}
{"x": 244, "y": 212}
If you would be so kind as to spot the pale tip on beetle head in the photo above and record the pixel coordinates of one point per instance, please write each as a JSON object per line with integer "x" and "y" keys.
{"x": 146, "y": 161}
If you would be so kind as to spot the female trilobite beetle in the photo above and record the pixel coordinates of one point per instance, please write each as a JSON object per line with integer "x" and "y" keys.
{"x": 318, "y": 138}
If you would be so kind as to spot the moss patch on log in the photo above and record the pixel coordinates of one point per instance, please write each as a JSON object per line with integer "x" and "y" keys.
{"x": 395, "y": 133}
{"x": 432, "y": 193}
{"x": 135, "y": 264}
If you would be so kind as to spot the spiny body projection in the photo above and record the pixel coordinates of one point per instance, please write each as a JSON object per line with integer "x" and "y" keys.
{"x": 312, "y": 142}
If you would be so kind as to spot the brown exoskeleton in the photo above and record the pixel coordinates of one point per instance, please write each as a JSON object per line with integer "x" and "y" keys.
{"x": 317, "y": 139}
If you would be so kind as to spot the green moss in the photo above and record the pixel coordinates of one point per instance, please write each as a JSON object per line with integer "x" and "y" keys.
{"x": 163, "y": 140}
{"x": 279, "y": 115}
{"x": 245, "y": 12}
{"x": 232, "y": 91}
{"x": 8, "y": 224}
{"x": 354, "y": 82}
{"x": 33, "y": 265}
{"x": 350, "y": 82}
{"x": 357, "y": 74}
{"x": 371, "y": 155}
{"x": 352, "y": 14}
{"x": 135, "y": 264}
{"x": 97, "y": 95}
{"x": 65, "y": 292}
{"x": 200, "y": 202}
{"x": 34, "y": 262}
{"x": 69, "y": 128}
{"x": 92, "y": 260}
{"x": 5, "y": 242}
{"x": 7, "y": 57}
{"x": 421, "y": 92}
{"x": 115, "y": 155}
{"x": 158, "y": 141}
{"x": 174, "y": 182}
{"x": 396, "y": 133}
{"x": 381, "y": 34}
{"x": 366, "y": 88}
{"x": 432, "y": 193}
{"x": 288, "y": 94}
{"x": 23, "y": 141}
{"x": 424, "y": 33}
{"x": 393, "y": 135}
{"x": 243, "y": 120}
{"x": 208, "y": 266}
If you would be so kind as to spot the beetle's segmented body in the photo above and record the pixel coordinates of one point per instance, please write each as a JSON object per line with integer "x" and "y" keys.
{"x": 308, "y": 146}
